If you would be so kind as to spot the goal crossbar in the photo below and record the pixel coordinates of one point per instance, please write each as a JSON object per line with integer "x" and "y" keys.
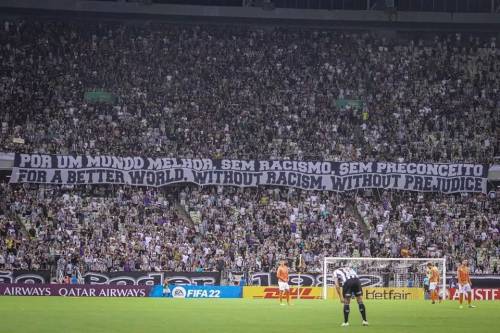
{"x": 384, "y": 259}
{"x": 327, "y": 260}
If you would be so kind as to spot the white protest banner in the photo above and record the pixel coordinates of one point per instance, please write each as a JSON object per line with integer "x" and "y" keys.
{"x": 307, "y": 175}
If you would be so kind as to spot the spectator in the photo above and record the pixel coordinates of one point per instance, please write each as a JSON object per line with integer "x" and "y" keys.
{"x": 240, "y": 92}
{"x": 189, "y": 91}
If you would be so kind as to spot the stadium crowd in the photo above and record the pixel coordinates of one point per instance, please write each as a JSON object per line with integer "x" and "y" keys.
{"x": 430, "y": 226}
{"x": 106, "y": 229}
{"x": 133, "y": 229}
{"x": 242, "y": 92}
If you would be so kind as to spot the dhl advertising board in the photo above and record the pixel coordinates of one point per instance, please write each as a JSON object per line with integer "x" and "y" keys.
{"x": 316, "y": 293}
{"x": 272, "y": 292}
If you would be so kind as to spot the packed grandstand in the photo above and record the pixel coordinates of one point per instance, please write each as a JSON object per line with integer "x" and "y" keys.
{"x": 242, "y": 92}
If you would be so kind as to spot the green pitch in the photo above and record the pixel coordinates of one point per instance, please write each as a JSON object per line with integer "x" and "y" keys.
{"x": 149, "y": 315}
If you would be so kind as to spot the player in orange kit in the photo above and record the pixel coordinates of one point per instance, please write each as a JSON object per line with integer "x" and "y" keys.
{"x": 464, "y": 284}
{"x": 282, "y": 275}
{"x": 433, "y": 281}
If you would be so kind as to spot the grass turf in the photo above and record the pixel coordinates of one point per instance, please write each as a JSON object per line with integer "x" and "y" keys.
{"x": 148, "y": 315}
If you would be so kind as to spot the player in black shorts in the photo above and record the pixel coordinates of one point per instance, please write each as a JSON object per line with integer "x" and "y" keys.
{"x": 351, "y": 285}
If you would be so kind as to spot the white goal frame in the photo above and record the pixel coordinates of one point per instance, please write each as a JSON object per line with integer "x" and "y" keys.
{"x": 329, "y": 260}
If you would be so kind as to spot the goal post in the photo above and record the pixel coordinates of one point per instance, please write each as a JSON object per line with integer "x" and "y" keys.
{"x": 384, "y": 272}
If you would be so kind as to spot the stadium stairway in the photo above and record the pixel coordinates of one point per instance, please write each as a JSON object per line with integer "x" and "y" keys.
{"x": 353, "y": 209}
{"x": 180, "y": 210}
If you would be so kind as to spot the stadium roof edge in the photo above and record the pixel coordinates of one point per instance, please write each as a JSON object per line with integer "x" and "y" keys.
{"x": 331, "y": 18}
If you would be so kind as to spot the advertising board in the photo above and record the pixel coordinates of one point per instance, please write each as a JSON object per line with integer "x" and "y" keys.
{"x": 272, "y": 292}
{"x": 116, "y": 278}
{"x": 369, "y": 293}
{"x": 191, "y": 291}
{"x": 478, "y": 294}
{"x": 76, "y": 290}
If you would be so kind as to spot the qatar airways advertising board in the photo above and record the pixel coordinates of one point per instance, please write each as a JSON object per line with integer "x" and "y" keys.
{"x": 24, "y": 289}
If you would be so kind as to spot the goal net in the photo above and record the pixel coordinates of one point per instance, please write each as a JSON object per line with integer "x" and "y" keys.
{"x": 385, "y": 272}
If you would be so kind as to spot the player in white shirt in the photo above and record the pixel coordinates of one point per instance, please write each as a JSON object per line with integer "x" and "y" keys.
{"x": 347, "y": 278}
